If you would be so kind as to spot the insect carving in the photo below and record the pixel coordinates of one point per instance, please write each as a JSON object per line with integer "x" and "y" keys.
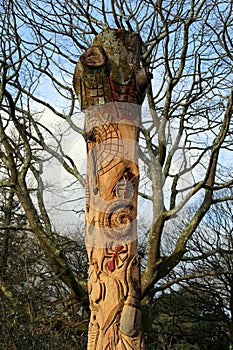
{"x": 117, "y": 255}
{"x": 124, "y": 188}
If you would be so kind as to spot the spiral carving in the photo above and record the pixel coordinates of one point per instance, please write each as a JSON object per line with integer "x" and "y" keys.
{"x": 117, "y": 218}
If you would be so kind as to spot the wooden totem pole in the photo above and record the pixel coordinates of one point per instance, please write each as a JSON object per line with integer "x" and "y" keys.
{"x": 110, "y": 84}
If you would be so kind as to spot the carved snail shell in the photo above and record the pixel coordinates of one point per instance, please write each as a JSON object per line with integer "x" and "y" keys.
{"x": 117, "y": 218}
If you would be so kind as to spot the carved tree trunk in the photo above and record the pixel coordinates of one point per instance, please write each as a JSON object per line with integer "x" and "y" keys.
{"x": 110, "y": 84}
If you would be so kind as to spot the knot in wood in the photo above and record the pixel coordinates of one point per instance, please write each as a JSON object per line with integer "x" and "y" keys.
{"x": 94, "y": 57}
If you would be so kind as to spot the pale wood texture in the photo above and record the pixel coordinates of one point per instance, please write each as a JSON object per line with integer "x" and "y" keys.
{"x": 110, "y": 85}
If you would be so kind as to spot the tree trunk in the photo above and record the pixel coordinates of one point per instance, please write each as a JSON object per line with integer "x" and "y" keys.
{"x": 231, "y": 315}
{"x": 110, "y": 85}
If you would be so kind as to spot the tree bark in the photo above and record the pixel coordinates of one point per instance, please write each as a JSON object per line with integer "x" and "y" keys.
{"x": 110, "y": 84}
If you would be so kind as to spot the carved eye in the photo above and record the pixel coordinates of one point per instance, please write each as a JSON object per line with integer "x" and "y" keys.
{"x": 91, "y": 137}
{"x": 95, "y": 191}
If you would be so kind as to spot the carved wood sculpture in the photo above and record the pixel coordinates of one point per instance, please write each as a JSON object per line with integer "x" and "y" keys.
{"x": 110, "y": 85}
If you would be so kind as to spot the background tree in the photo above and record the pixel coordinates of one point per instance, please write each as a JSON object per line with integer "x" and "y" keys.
{"x": 213, "y": 261}
{"x": 198, "y": 296}
{"x": 186, "y": 138}
{"x": 186, "y": 318}
{"x": 36, "y": 307}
